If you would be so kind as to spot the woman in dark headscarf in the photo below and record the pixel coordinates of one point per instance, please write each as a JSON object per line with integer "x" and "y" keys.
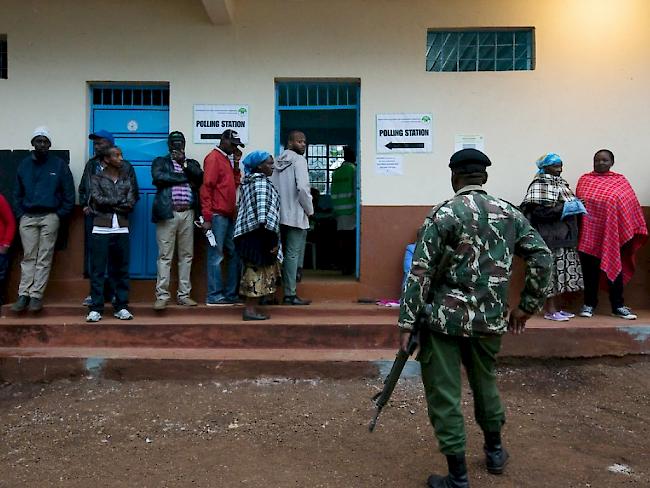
{"x": 552, "y": 209}
{"x": 257, "y": 232}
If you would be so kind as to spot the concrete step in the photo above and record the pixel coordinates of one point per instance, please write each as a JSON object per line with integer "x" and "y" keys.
{"x": 144, "y": 310}
{"x": 335, "y": 338}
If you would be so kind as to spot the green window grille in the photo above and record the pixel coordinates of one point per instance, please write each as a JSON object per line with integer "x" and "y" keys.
{"x": 480, "y": 50}
{"x": 315, "y": 94}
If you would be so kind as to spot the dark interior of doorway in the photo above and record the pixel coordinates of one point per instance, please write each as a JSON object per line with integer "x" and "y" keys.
{"x": 327, "y": 131}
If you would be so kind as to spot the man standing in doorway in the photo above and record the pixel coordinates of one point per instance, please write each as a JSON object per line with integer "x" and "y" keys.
{"x": 219, "y": 208}
{"x": 44, "y": 195}
{"x": 344, "y": 203}
{"x": 177, "y": 181}
{"x": 103, "y": 140}
{"x": 459, "y": 283}
{"x": 291, "y": 179}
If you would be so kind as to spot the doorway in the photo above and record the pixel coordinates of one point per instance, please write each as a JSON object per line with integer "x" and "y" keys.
{"x": 138, "y": 117}
{"x": 328, "y": 113}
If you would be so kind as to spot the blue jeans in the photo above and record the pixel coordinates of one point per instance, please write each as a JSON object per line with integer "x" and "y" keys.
{"x": 293, "y": 247}
{"x": 223, "y": 228}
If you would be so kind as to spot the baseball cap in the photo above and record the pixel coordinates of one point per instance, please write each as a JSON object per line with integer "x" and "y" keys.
{"x": 232, "y": 136}
{"x": 102, "y": 134}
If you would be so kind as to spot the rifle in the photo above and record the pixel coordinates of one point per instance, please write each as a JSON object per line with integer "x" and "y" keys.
{"x": 381, "y": 398}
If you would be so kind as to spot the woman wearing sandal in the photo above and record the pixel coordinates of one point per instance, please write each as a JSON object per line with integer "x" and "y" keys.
{"x": 553, "y": 210}
{"x": 257, "y": 233}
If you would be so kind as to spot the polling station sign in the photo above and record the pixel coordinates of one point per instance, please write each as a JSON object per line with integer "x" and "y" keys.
{"x": 211, "y": 120}
{"x": 404, "y": 133}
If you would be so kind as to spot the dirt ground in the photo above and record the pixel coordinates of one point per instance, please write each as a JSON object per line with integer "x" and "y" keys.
{"x": 569, "y": 425}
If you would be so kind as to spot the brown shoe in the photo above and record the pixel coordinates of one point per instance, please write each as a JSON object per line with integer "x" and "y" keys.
{"x": 160, "y": 304}
{"x": 187, "y": 302}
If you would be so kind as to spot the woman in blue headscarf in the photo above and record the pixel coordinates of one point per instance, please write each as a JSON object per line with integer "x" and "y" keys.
{"x": 553, "y": 210}
{"x": 257, "y": 233}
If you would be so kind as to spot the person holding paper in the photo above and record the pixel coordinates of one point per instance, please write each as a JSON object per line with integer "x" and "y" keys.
{"x": 219, "y": 208}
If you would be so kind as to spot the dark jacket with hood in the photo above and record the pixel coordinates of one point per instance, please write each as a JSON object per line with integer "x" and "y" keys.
{"x": 108, "y": 197}
{"x": 165, "y": 177}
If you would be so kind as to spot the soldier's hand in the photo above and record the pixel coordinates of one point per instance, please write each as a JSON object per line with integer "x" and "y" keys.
{"x": 517, "y": 321}
{"x": 404, "y": 337}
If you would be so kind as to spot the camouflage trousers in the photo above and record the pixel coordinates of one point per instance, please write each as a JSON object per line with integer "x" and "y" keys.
{"x": 440, "y": 358}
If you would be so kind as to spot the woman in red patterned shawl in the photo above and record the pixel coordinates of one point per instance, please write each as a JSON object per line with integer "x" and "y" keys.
{"x": 610, "y": 234}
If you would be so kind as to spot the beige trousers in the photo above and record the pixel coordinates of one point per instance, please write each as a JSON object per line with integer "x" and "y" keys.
{"x": 38, "y": 235}
{"x": 179, "y": 228}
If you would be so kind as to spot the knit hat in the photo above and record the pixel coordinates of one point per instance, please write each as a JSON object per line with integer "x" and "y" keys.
{"x": 42, "y": 131}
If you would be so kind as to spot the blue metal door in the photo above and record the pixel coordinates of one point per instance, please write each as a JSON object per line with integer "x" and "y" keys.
{"x": 138, "y": 117}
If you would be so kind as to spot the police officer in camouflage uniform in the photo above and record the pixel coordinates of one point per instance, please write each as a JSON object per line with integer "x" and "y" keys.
{"x": 462, "y": 266}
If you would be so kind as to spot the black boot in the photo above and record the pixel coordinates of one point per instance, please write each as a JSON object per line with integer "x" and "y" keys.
{"x": 457, "y": 477}
{"x": 496, "y": 456}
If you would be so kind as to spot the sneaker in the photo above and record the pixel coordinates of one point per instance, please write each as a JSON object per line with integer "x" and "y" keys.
{"x": 624, "y": 313}
{"x": 586, "y": 311}
{"x": 35, "y": 305}
{"x": 568, "y": 315}
{"x": 88, "y": 301}
{"x": 186, "y": 302}
{"x": 556, "y": 317}
{"x": 93, "y": 317}
{"x": 20, "y": 304}
{"x": 160, "y": 304}
{"x": 123, "y": 314}
{"x": 219, "y": 302}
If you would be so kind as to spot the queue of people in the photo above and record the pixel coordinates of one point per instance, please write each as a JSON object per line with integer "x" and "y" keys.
{"x": 248, "y": 223}
{"x": 259, "y": 223}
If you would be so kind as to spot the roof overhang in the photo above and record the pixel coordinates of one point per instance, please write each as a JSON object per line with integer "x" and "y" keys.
{"x": 220, "y": 12}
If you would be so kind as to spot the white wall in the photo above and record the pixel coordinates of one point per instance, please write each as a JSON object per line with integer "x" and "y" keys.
{"x": 589, "y": 89}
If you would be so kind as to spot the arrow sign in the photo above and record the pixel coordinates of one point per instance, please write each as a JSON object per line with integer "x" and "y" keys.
{"x": 405, "y": 145}
{"x": 398, "y": 133}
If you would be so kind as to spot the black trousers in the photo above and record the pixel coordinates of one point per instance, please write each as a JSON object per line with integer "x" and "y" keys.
{"x": 110, "y": 255}
{"x": 88, "y": 253}
{"x": 591, "y": 274}
{"x": 4, "y": 267}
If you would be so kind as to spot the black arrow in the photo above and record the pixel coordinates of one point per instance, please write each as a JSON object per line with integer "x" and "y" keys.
{"x": 405, "y": 145}
{"x": 211, "y": 136}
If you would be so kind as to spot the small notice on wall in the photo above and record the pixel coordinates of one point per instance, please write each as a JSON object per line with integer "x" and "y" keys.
{"x": 404, "y": 133}
{"x": 211, "y": 120}
{"x": 474, "y": 141}
{"x": 389, "y": 165}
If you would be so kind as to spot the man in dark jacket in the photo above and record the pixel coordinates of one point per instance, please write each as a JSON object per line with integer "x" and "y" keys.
{"x": 44, "y": 194}
{"x": 177, "y": 180}
{"x": 102, "y": 142}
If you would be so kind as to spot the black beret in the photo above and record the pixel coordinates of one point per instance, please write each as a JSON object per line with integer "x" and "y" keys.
{"x": 469, "y": 161}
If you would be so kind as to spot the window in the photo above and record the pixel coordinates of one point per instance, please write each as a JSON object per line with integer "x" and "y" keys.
{"x": 4, "y": 73}
{"x": 322, "y": 160}
{"x": 480, "y": 50}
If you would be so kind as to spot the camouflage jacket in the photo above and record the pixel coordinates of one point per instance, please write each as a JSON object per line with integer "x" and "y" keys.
{"x": 463, "y": 262}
